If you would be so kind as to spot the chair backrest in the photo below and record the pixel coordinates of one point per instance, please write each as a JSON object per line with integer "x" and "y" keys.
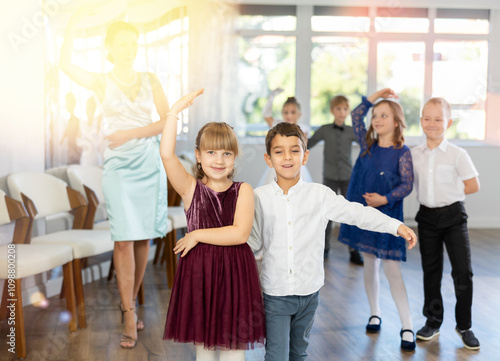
{"x": 80, "y": 175}
{"x": 59, "y": 172}
{"x": 4, "y": 213}
{"x": 47, "y": 192}
{"x": 3, "y": 185}
{"x": 12, "y": 210}
{"x": 47, "y": 195}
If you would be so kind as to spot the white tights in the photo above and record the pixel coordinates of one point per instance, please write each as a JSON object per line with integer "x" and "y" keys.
{"x": 211, "y": 355}
{"x": 392, "y": 270}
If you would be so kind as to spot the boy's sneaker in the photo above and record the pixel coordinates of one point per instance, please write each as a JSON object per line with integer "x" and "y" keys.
{"x": 470, "y": 341}
{"x": 427, "y": 333}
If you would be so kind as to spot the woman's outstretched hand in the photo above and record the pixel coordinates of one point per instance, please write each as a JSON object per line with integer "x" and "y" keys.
{"x": 408, "y": 234}
{"x": 185, "y": 101}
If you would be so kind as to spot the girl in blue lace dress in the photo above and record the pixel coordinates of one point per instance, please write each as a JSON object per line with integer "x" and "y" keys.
{"x": 381, "y": 178}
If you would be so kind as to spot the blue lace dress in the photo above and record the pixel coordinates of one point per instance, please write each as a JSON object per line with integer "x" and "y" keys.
{"x": 386, "y": 171}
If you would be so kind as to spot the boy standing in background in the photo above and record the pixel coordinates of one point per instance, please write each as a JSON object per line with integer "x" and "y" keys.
{"x": 444, "y": 174}
{"x": 337, "y": 162}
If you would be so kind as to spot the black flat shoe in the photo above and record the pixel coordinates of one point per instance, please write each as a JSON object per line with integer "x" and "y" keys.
{"x": 407, "y": 345}
{"x": 356, "y": 258}
{"x": 373, "y": 328}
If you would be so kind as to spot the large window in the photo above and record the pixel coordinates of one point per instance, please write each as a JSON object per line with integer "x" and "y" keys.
{"x": 400, "y": 66}
{"x": 163, "y": 50}
{"x": 338, "y": 68}
{"x": 330, "y": 50}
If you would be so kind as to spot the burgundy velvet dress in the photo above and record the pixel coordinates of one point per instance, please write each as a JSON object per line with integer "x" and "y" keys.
{"x": 216, "y": 298}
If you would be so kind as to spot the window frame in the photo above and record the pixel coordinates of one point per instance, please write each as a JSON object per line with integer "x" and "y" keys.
{"x": 304, "y": 35}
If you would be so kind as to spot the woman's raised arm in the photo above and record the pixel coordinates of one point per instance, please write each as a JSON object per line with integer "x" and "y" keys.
{"x": 79, "y": 75}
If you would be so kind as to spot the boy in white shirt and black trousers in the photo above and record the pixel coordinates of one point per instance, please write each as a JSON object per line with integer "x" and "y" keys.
{"x": 443, "y": 175}
{"x": 289, "y": 230}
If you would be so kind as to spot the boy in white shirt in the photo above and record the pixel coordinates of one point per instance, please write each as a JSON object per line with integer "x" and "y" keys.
{"x": 443, "y": 175}
{"x": 289, "y": 230}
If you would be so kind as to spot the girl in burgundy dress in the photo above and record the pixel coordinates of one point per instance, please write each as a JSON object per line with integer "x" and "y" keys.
{"x": 216, "y": 301}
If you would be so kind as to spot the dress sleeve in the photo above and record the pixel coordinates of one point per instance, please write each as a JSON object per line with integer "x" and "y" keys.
{"x": 358, "y": 125}
{"x": 406, "y": 174}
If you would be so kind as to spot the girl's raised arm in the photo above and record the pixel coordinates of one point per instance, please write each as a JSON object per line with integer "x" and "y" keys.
{"x": 267, "y": 112}
{"x": 180, "y": 179}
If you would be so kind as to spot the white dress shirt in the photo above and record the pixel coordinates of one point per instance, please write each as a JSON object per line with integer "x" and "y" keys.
{"x": 439, "y": 174}
{"x": 289, "y": 230}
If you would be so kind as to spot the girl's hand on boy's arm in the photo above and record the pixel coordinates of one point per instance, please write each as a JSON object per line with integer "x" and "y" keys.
{"x": 185, "y": 244}
{"x": 382, "y": 93}
{"x": 408, "y": 234}
{"x": 375, "y": 199}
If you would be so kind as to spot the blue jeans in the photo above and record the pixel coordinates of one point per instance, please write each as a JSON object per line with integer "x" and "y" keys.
{"x": 289, "y": 321}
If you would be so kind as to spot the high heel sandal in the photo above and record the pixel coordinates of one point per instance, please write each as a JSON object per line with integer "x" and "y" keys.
{"x": 127, "y": 338}
{"x": 140, "y": 323}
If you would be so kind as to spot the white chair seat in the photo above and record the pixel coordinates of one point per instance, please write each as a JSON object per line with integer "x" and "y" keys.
{"x": 104, "y": 225}
{"x": 32, "y": 259}
{"x": 85, "y": 242}
{"x": 169, "y": 226}
{"x": 177, "y": 216}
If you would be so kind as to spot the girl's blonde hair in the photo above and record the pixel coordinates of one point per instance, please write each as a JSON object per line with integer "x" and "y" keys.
{"x": 399, "y": 116}
{"x": 215, "y": 136}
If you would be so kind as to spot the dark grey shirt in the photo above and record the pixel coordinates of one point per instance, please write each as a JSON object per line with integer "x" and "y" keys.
{"x": 337, "y": 162}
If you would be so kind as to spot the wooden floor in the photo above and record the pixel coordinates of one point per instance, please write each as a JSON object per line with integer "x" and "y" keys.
{"x": 339, "y": 329}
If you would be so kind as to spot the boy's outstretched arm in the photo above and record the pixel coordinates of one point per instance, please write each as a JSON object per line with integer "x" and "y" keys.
{"x": 408, "y": 234}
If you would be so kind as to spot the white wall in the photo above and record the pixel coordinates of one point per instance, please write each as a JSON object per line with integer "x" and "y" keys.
{"x": 22, "y": 140}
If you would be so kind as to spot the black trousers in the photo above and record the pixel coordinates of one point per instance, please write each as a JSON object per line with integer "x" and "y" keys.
{"x": 437, "y": 227}
{"x": 339, "y": 187}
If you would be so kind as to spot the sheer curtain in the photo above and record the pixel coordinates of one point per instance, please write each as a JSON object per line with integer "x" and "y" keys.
{"x": 213, "y": 59}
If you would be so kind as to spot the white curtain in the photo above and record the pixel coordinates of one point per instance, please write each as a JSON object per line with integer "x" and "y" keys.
{"x": 213, "y": 55}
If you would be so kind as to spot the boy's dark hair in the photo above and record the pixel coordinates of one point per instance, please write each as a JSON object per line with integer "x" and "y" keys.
{"x": 338, "y": 100}
{"x": 287, "y": 130}
{"x": 292, "y": 100}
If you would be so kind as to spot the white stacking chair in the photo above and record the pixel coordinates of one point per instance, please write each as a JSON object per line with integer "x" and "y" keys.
{"x": 88, "y": 181}
{"x": 19, "y": 260}
{"x": 43, "y": 195}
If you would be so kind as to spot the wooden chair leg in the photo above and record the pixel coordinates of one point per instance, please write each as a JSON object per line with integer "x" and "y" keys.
{"x": 159, "y": 244}
{"x": 69, "y": 283}
{"x": 140, "y": 295}
{"x": 3, "y": 305}
{"x": 80, "y": 300}
{"x": 169, "y": 257}
{"x": 170, "y": 241}
{"x": 111, "y": 267}
{"x": 19, "y": 315}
